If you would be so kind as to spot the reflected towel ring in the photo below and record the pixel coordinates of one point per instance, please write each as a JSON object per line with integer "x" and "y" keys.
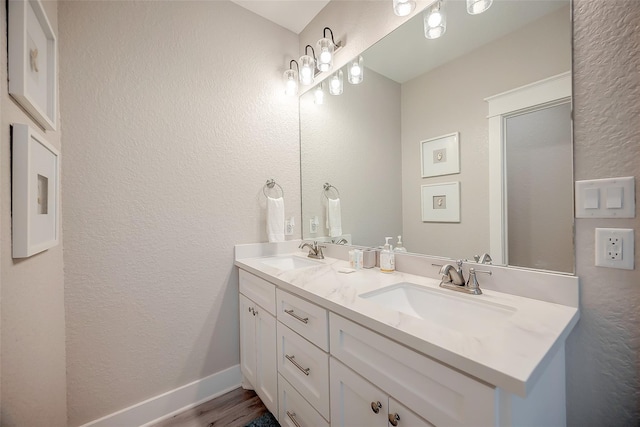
{"x": 327, "y": 188}
{"x": 270, "y": 184}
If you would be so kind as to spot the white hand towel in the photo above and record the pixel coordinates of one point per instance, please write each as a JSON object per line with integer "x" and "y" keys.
{"x": 275, "y": 219}
{"x": 334, "y": 218}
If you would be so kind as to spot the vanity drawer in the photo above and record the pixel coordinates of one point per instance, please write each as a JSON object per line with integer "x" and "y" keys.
{"x": 292, "y": 406}
{"x": 307, "y": 319}
{"x": 306, "y": 367}
{"x": 433, "y": 391}
{"x": 259, "y": 291}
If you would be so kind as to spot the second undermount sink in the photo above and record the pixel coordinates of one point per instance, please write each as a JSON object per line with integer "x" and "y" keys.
{"x": 441, "y": 306}
{"x": 288, "y": 262}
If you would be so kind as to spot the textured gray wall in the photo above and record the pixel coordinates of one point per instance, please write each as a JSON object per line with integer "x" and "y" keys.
{"x": 603, "y": 362}
{"x": 174, "y": 117}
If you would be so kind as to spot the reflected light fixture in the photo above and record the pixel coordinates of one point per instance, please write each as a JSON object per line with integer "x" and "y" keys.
{"x": 307, "y": 66}
{"x": 435, "y": 21}
{"x": 355, "y": 71}
{"x": 336, "y": 85}
{"x": 475, "y": 7}
{"x": 318, "y": 95}
{"x": 325, "y": 47}
{"x": 404, "y": 7}
{"x": 291, "y": 79}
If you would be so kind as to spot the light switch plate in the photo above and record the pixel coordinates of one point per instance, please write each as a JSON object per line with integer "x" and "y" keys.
{"x": 606, "y": 198}
{"x": 615, "y": 248}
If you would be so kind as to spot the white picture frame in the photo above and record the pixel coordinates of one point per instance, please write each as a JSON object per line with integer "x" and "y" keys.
{"x": 440, "y": 155}
{"x": 33, "y": 75}
{"x": 35, "y": 192}
{"x": 441, "y": 202}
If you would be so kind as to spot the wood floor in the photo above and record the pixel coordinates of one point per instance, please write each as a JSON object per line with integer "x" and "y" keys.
{"x": 234, "y": 409}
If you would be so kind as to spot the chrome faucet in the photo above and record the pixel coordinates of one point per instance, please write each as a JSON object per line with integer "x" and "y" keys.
{"x": 342, "y": 241}
{"x": 485, "y": 258}
{"x": 452, "y": 275}
{"x": 453, "y": 278}
{"x": 315, "y": 250}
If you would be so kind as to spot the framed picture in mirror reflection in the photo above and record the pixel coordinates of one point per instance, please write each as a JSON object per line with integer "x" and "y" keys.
{"x": 440, "y": 155}
{"x": 441, "y": 202}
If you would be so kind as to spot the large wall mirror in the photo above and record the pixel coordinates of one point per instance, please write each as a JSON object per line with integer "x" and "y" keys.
{"x": 461, "y": 144}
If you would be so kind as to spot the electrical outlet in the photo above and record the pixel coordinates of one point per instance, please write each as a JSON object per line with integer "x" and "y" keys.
{"x": 313, "y": 225}
{"x": 288, "y": 227}
{"x": 615, "y": 248}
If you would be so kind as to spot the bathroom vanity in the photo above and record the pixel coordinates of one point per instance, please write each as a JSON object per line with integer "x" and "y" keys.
{"x": 325, "y": 348}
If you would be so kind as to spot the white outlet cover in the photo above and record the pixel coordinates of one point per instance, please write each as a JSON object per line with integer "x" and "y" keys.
{"x": 602, "y": 246}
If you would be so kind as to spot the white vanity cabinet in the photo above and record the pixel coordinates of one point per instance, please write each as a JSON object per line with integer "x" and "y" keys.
{"x": 357, "y": 402}
{"x": 258, "y": 353}
{"x": 303, "y": 361}
{"x": 434, "y": 392}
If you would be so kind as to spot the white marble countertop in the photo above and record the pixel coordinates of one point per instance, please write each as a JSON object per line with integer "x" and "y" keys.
{"x": 510, "y": 354}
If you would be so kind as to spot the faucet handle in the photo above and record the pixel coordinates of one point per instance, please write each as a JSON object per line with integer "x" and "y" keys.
{"x": 472, "y": 282}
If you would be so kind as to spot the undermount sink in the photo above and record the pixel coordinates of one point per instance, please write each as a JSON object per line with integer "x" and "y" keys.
{"x": 438, "y": 305}
{"x": 288, "y": 262}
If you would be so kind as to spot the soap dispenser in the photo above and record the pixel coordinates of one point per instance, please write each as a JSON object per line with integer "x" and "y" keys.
{"x": 399, "y": 247}
{"x": 387, "y": 258}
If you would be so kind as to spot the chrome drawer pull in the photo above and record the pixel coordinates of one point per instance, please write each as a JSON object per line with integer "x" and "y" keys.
{"x": 375, "y": 407}
{"x": 393, "y": 419}
{"x": 297, "y": 365}
{"x": 292, "y": 417}
{"x": 302, "y": 319}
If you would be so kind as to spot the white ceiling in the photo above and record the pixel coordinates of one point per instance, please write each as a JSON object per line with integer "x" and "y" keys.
{"x": 293, "y": 15}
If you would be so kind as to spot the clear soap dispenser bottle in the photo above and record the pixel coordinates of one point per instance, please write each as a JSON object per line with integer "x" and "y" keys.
{"x": 387, "y": 258}
{"x": 399, "y": 247}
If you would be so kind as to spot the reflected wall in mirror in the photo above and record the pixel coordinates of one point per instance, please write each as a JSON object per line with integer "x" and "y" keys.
{"x": 366, "y": 142}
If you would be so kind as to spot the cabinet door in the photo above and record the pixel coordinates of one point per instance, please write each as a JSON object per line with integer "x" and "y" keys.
{"x": 266, "y": 360}
{"x": 355, "y": 402}
{"x": 401, "y": 416}
{"x": 247, "y": 340}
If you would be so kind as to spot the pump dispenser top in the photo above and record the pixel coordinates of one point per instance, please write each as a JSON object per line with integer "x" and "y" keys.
{"x": 399, "y": 247}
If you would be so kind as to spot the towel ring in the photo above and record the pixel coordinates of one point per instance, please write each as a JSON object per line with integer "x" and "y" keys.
{"x": 327, "y": 188}
{"x": 270, "y": 184}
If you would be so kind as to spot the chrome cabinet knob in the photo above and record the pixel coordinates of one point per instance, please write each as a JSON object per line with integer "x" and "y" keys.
{"x": 393, "y": 419}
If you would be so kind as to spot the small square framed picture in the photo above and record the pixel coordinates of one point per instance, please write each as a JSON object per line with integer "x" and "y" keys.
{"x": 441, "y": 202}
{"x": 441, "y": 155}
{"x": 35, "y": 192}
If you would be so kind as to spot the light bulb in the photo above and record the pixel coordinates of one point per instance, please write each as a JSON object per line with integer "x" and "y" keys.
{"x": 475, "y": 7}
{"x": 435, "y": 19}
{"x": 307, "y": 67}
{"x": 325, "y": 48}
{"x": 290, "y": 82}
{"x": 403, "y": 7}
{"x": 336, "y": 85}
{"x": 325, "y": 56}
{"x": 356, "y": 71}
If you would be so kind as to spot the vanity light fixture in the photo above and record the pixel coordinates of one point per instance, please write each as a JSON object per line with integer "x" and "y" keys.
{"x": 318, "y": 95}
{"x": 355, "y": 71}
{"x": 336, "y": 85}
{"x": 307, "y": 66}
{"x": 475, "y": 7}
{"x": 291, "y": 79}
{"x": 435, "y": 21}
{"x": 403, "y": 7}
{"x": 326, "y": 48}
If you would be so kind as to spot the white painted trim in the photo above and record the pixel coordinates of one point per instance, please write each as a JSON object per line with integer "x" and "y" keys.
{"x": 537, "y": 93}
{"x": 550, "y": 90}
{"x": 172, "y": 402}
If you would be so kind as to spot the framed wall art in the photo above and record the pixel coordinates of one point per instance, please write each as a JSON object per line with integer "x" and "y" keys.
{"x": 33, "y": 61}
{"x": 441, "y": 155}
{"x": 35, "y": 192}
{"x": 441, "y": 202}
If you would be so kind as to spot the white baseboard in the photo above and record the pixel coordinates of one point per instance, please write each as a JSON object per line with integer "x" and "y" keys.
{"x": 172, "y": 402}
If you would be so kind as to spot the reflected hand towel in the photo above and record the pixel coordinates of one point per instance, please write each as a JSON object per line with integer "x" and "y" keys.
{"x": 275, "y": 219}
{"x": 334, "y": 217}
